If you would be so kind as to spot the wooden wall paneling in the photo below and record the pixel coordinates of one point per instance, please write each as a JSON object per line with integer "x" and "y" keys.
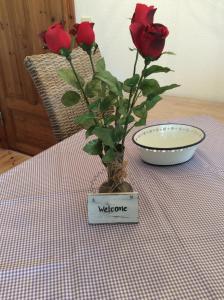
{"x": 20, "y": 23}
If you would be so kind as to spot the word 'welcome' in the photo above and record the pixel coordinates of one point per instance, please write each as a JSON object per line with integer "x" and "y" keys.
{"x": 109, "y": 209}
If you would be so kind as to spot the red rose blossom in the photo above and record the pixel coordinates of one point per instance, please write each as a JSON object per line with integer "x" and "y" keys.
{"x": 149, "y": 40}
{"x": 143, "y": 14}
{"x": 56, "y": 38}
{"x": 148, "y": 37}
{"x": 84, "y": 33}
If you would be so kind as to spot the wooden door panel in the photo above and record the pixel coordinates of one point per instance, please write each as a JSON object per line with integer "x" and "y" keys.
{"x": 26, "y": 130}
{"x": 2, "y": 134}
{"x": 26, "y": 124}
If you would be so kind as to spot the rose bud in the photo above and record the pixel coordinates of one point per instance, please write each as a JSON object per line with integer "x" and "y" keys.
{"x": 143, "y": 14}
{"x": 84, "y": 33}
{"x": 56, "y": 38}
{"x": 150, "y": 40}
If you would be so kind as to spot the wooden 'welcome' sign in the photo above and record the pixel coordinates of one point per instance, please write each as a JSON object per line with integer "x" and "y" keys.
{"x": 113, "y": 208}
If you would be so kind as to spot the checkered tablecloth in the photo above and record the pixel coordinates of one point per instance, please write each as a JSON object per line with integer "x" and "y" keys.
{"x": 48, "y": 250}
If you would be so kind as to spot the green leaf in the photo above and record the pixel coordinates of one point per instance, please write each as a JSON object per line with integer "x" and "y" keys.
{"x": 94, "y": 106}
{"x": 95, "y": 47}
{"x": 68, "y": 76}
{"x": 86, "y": 120}
{"x": 119, "y": 87}
{"x": 127, "y": 89}
{"x": 140, "y": 122}
{"x": 151, "y": 102}
{"x": 155, "y": 69}
{"x": 126, "y": 120}
{"x": 89, "y": 131}
{"x": 118, "y": 134}
{"x": 132, "y": 82}
{"x": 140, "y": 111}
{"x": 167, "y": 87}
{"x": 93, "y": 147}
{"x": 113, "y": 96}
{"x": 109, "y": 119}
{"x": 132, "y": 49}
{"x": 149, "y": 86}
{"x": 105, "y": 135}
{"x": 123, "y": 106}
{"x": 103, "y": 89}
{"x": 65, "y": 52}
{"x": 111, "y": 81}
{"x": 109, "y": 156}
{"x": 169, "y": 53}
{"x": 70, "y": 98}
{"x": 106, "y": 103}
{"x": 93, "y": 88}
{"x": 100, "y": 65}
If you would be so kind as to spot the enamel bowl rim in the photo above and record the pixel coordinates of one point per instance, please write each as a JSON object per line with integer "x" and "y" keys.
{"x": 169, "y": 148}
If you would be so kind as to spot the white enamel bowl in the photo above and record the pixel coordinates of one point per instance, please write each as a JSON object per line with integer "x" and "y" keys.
{"x": 168, "y": 144}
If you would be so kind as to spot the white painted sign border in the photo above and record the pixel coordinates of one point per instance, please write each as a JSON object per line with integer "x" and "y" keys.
{"x": 113, "y": 208}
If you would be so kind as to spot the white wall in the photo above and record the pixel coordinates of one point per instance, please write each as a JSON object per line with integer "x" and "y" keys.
{"x": 196, "y": 36}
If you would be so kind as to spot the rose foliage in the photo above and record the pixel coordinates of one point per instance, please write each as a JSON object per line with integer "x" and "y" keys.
{"x": 112, "y": 109}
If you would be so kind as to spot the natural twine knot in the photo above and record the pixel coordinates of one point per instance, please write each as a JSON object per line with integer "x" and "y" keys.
{"x": 117, "y": 171}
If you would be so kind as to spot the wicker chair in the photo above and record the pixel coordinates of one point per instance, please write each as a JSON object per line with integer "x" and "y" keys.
{"x": 43, "y": 70}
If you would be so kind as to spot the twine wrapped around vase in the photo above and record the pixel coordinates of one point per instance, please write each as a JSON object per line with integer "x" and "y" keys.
{"x": 117, "y": 172}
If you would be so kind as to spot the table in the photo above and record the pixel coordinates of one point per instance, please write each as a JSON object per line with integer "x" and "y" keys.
{"x": 176, "y": 107}
{"x": 48, "y": 250}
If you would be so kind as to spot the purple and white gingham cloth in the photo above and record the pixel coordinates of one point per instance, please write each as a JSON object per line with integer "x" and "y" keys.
{"x": 48, "y": 250}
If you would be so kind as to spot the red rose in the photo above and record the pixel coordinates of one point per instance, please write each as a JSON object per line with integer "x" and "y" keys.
{"x": 84, "y": 33}
{"x": 56, "y": 38}
{"x": 149, "y": 38}
{"x": 143, "y": 14}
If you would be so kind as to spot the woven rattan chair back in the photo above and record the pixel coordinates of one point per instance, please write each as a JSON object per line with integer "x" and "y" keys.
{"x": 43, "y": 70}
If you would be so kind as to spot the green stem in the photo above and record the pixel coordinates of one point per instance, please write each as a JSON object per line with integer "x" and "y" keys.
{"x": 130, "y": 129}
{"x": 117, "y": 113}
{"x": 79, "y": 83}
{"x": 134, "y": 99}
{"x": 134, "y": 71}
{"x": 129, "y": 99}
{"x": 139, "y": 94}
{"x": 136, "y": 60}
{"x": 92, "y": 64}
{"x": 80, "y": 86}
{"x": 84, "y": 95}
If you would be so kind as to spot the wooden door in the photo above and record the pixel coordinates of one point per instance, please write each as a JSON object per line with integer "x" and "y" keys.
{"x": 26, "y": 125}
{"x": 3, "y": 138}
